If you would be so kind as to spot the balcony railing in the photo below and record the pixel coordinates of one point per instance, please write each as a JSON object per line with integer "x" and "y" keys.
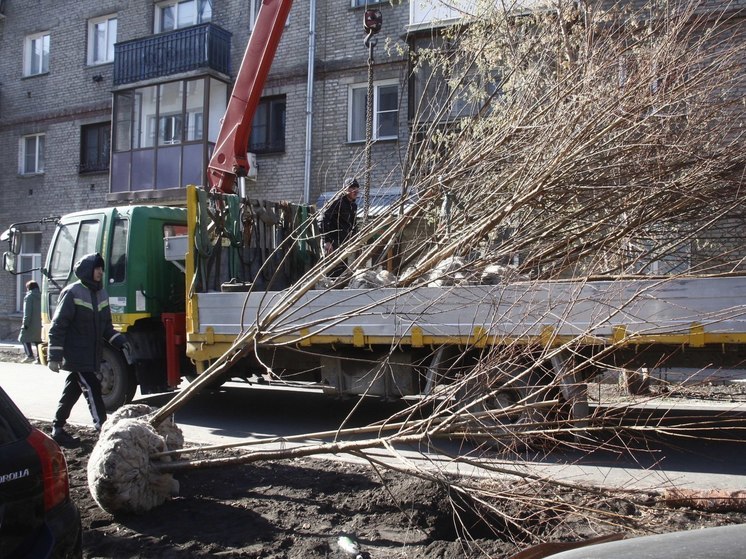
{"x": 174, "y": 52}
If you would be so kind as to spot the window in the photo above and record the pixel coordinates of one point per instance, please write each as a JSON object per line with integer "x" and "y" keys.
{"x": 254, "y": 6}
{"x": 268, "y": 127}
{"x": 95, "y": 145}
{"x": 365, "y": 3}
{"x": 472, "y": 94}
{"x": 118, "y": 253}
{"x": 195, "y": 106}
{"x": 73, "y": 241}
{"x": 29, "y": 262}
{"x": 169, "y": 130}
{"x": 102, "y": 34}
{"x": 385, "y": 111}
{"x": 173, "y": 14}
{"x": 448, "y": 92}
{"x": 162, "y": 133}
{"x": 31, "y": 155}
{"x": 36, "y": 55}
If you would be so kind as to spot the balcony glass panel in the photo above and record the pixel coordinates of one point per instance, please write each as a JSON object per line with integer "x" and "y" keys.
{"x": 120, "y": 171}
{"x": 218, "y": 104}
{"x": 195, "y": 108}
{"x": 161, "y": 135}
{"x": 169, "y": 162}
{"x": 143, "y": 167}
{"x": 193, "y": 165}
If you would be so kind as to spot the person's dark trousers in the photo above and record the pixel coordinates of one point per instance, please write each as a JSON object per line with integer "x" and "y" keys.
{"x": 28, "y": 348}
{"x": 75, "y": 385}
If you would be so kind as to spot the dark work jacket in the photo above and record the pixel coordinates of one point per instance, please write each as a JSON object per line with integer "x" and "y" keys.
{"x": 82, "y": 322}
{"x": 339, "y": 221}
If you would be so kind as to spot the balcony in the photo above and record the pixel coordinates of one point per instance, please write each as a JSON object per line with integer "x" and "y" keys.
{"x": 201, "y": 46}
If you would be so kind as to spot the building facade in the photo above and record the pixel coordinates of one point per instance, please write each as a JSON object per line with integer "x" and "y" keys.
{"x": 116, "y": 102}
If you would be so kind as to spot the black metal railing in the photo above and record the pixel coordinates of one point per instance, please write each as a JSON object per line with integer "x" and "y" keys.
{"x": 173, "y": 52}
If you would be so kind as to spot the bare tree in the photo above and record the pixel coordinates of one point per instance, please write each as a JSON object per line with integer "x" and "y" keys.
{"x": 573, "y": 142}
{"x": 588, "y": 139}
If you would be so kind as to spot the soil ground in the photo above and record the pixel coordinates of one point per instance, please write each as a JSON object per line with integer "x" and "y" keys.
{"x": 299, "y": 508}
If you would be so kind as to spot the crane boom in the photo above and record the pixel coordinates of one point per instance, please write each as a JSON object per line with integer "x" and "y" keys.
{"x": 229, "y": 159}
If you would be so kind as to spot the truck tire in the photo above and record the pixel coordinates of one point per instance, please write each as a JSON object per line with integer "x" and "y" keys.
{"x": 118, "y": 383}
{"x": 487, "y": 397}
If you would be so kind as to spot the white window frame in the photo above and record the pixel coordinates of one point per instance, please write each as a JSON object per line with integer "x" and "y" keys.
{"x": 254, "y": 6}
{"x": 29, "y": 46}
{"x": 159, "y": 6}
{"x": 27, "y": 261}
{"x": 39, "y": 148}
{"x": 376, "y": 89}
{"x": 173, "y": 123}
{"x": 110, "y": 28}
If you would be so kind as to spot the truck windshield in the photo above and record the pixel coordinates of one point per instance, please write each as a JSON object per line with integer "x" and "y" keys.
{"x": 74, "y": 240}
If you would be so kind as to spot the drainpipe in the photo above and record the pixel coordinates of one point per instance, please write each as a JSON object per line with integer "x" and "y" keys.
{"x": 309, "y": 101}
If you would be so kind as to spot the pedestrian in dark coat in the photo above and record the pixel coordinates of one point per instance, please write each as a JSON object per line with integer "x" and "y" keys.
{"x": 80, "y": 328}
{"x": 30, "y": 333}
{"x": 340, "y": 220}
{"x": 340, "y": 217}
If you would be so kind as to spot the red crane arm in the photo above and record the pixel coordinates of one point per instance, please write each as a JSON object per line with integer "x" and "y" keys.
{"x": 229, "y": 159}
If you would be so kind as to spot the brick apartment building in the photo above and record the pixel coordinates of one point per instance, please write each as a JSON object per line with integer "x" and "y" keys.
{"x": 115, "y": 102}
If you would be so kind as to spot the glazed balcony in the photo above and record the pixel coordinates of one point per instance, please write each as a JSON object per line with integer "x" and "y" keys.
{"x": 204, "y": 46}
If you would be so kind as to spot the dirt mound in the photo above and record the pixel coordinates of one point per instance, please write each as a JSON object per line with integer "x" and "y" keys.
{"x": 299, "y": 508}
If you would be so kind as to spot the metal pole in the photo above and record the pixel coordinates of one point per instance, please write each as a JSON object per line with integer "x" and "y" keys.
{"x": 309, "y": 103}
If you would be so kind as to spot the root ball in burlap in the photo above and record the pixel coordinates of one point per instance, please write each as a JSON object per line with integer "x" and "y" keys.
{"x": 121, "y": 476}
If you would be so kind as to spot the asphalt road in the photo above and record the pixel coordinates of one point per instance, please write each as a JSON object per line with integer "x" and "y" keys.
{"x": 237, "y": 413}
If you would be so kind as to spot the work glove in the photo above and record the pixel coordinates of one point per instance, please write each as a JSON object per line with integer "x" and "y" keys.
{"x": 54, "y": 366}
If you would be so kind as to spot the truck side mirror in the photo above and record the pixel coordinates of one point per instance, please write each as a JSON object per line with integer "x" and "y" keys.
{"x": 9, "y": 262}
{"x": 13, "y": 236}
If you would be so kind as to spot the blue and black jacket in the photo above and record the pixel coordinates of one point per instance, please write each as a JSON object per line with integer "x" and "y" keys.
{"x": 82, "y": 321}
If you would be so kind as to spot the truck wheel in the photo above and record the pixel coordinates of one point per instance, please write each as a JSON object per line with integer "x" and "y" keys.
{"x": 637, "y": 382}
{"x": 118, "y": 383}
{"x": 489, "y": 396}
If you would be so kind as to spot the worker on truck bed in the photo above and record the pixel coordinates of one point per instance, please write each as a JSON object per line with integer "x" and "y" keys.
{"x": 80, "y": 327}
{"x": 339, "y": 222}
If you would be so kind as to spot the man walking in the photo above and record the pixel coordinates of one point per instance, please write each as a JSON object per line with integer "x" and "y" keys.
{"x": 80, "y": 327}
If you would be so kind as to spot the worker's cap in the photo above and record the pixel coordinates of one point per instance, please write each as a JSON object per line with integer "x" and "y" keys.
{"x": 94, "y": 260}
{"x": 98, "y": 262}
{"x": 351, "y": 182}
{"x": 85, "y": 266}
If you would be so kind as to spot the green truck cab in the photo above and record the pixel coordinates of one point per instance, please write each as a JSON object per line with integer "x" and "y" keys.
{"x": 146, "y": 292}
